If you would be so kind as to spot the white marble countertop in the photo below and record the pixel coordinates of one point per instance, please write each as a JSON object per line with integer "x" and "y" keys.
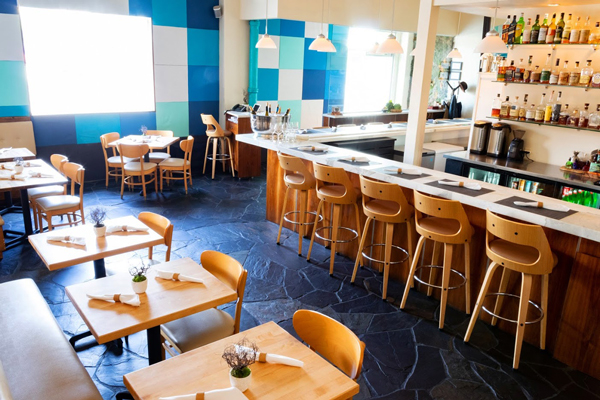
{"x": 585, "y": 223}
{"x": 374, "y": 113}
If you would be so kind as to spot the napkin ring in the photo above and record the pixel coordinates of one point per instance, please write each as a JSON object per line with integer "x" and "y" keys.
{"x": 176, "y": 276}
{"x": 200, "y": 396}
{"x": 262, "y": 357}
{"x": 540, "y": 204}
{"x": 117, "y": 298}
{"x": 461, "y": 184}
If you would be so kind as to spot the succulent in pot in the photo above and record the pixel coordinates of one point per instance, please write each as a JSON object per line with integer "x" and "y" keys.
{"x": 139, "y": 282}
{"x": 239, "y": 357}
{"x": 19, "y": 164}
{"x": 98, "y": 216}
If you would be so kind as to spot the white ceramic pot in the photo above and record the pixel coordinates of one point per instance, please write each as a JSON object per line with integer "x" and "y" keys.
{"x": 100, "y": 230}
{"x": 18, "y": 169}
{"x": 140, "y": 287}
{"x": 242, "y": 384}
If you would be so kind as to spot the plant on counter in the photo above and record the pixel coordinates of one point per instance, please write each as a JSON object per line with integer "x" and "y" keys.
{"x": 391, "y": 107}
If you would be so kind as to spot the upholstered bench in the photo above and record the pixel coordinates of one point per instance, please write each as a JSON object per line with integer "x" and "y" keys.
{"x": 38, "y": 361}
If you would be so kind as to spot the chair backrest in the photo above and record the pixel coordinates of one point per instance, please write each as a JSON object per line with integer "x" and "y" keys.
{"x": 160, "y": 133}
{"x": 519, "y": 234}
{"x": 187, "y": 146}
{"x": 105, "y": 140}
{"x": 229, "y": 271}
{"x": 133, "y": 151}
{"x": 332, "y": 340}
{"x": 376, "y": 190}
{"x": 160, "y": 225}
{"x": 213, "y": 127}
{"x": 58, "y": 161}
{"x": 76, "y": 173}
{"x": 17, "y": 134}
{"x": 327, "y": 175}
{"x": 445, "y": 209}
{"x": 295, "y": 165}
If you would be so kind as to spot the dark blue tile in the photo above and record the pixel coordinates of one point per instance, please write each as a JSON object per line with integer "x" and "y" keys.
{"x": 142, "y": 8}
{"x": 291, "y": 28}
{"x": 8, "y": 7}
{"x": 52, "y": 130}
{"x": 200, "y": 14}
{"x": 203, "y": 83}
{"x": 312, "y": 58}
{"x": 274, "y": 27}
{"x": 132, "y": 122}
{"x": 313, "y": 85}
{"x": 197, "y": 127}
{"x": 268, "y": 82}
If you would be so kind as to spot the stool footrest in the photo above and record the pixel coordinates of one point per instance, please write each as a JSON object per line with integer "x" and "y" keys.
{"x": 219, "y": 157}
{"x": 512, "y": 320}
{"x": 285, "y": 218}
{"x": 464, "y": 280}
{"x": 339, "y": 228}
{"x": 383, "y": 261}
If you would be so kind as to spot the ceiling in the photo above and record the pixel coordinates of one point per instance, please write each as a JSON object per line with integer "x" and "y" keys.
{"x": 578, "y": 7}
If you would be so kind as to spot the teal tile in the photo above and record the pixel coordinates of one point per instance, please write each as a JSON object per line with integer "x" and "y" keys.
{"x": 291, "y": 52}
{"x": 89, "y": 127}
{"x": 295, "y": 107}
{"x": 339, "y": 59}
{"x": 13, "y": 84}
{"x": 338, "y": 32}
{"x": 14, "y": 111}
{"x": 203, "y": 47}
{"x": 169, "y": 13}
{"x": 173, "y": 116}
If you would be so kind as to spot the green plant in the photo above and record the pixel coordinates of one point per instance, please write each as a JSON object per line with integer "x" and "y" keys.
{"x": 139, "y": 272}
{"x": 389, "y": 105}
{"x": 239, "y": 356}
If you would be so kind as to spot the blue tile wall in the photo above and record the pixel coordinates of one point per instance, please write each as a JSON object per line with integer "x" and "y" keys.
{"x": 268, "y": 84}
{"x": 141, "y": 8}
{"x": 8, "y": 7}
{"x": 53, "y": 130}
{"x": 132, "y": 122}
{"x": 89, "y": 128}
{"x": 274, "y": 27}
{"x": 203, "y": 83}
{"x": 335, "y": 84}
{"x": 313, "y": 84}
{"x": 169, "y": 13}
{"x": 291, "y": 28}
{"x": 14, "y": 111}
{"x": 203, "y": 47}
{"x": 313, "y": 59}
{"x": 196, "y": 108}
{"x": 200, "y": 14}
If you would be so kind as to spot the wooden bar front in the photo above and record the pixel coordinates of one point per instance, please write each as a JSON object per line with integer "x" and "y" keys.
{"x": 246, "y": 158}
{"x": 573, "y": 334}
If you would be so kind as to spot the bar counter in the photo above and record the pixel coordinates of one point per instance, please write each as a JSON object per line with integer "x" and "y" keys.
{"x": 573, "y": 311}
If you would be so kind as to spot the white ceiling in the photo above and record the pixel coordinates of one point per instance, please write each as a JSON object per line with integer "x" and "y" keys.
{"x": 578, "y": 7}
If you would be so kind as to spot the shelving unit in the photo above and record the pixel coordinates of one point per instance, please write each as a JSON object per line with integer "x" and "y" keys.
{"x": 547, "y": 85}
{"x": 575, "y": 128}
{"x": 554, "y": 46}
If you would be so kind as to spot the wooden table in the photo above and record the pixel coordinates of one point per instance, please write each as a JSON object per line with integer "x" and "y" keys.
{"x": 164, "y": 301}
{"x": 10, "y": 155}
{"x": 155, "y": 142}
{"x": 203, "y": 369}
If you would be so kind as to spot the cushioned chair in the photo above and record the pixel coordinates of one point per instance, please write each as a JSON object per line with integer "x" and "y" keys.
{"x": 57, "y": 161}
{"x": 138, "y": 168}
{"x": 158, "y": 156}
{"x": 112, "y": 163}
{"x": 181, "y": 166}
{"x": 205, "y": 327}
{"x": 216, "y": 135}
{"x": 163, "y": 227}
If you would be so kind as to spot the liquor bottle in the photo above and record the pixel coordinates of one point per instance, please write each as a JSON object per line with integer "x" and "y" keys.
{"x": 584, "y": 33}
{"x": 496, "y": 105}
{"x": 575, "y": 75}
{"x": 523, "y": 109}
{"x": 505, "y": 29}
{"x": 545, "y": 75}
{"x": 563, "y": 75}
{"x": 543, "y": 30}
{"x": 554, "y": 73}
{"x": 513, "y": 112}
{"x": 594, "y": 120}
{"x": 556, "y": 109}
{"x": 541, "y": 109}
{"x": 535, "y": 30}
{"x": 548, "y": 110}
{"x": 586, "y": 74}
{"x": 510, "y": 72}
{"x": 267, "y": 110}
{"x": 253, "y": 110}
{"x": 567, "y": 31}
{"x": 519, "y": 29}
{"x": 564, "y": 115}
{"x": 560, "y": 27}
{"x": 287, "y": 112}
{"x": 595, "y": 35}
{"x": 501, "y": 76}
{"x": 519, "y": 70}
{"x": 595, "y": 81}
{"x": 530, "y": 113}
{"x": 512, "y": 28}
{"x": 527, "y": 71}
{"x": 584, "y": 116}
{"x": 505, "y": 108}
{"x": 535, "y": 75}
{"x": 575, "y": 31}
{"x": 526, "y": 37}
{"x": 551, "y": 30}
{"x": 573, "y": 119}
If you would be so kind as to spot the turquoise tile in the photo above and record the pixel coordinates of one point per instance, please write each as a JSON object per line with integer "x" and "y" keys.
{"x": 89, "y": 127}
{"x": 169, "y": 13}
{"x": 173, "y": 116}
{"x": 14, "y": 111}
{"x": 291, "y": 52}
{"x": 13, "y": 84}
{"x": 268, "y": 84}
{"x": 313, "y": 59}
{"x": 295, "y": 107}
{"x": 274, "y": 27}
{"x": 338, "y": 60}
{"x": 338, "y": 32}
{"x": 203, "y": 47}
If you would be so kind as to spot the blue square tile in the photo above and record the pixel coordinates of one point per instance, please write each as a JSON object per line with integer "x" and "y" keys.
{"x": 132, "y": 122}
{"x": 197, "y": 127}
{"x": 313, "y": 59}
{"x": 52, "y": 130}
{"x": 338, "y": 32}
{"x": 291, "y": 28}
{"x": 335, "y": 84}
{"x": 268, "y": 84}
{"x": 203, "y": 47}
{"x": 169, "y": 13}
{"x": 339, "y": 59}
{"x": 14, "y": 111}
{"x": 200, "y": 14}
{"x": 274, "y": 27}
{"x": 203, "y": 83}
{"x": 141, "y": 8}
{"x": 313, "y": 84}
{"x": 8, "y": 7}
{"x": 89, "y": 127}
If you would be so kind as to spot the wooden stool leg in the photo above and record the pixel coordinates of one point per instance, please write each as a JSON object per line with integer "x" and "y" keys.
{"x": 448, "y": 250}
{"x": 484, "y": 288}
{"x": 544, "y": 305}
{"x": 222, "y": 145}
{"x": 435, "y": 257}
{"x": 230, "y": 157}
{"x": 409, "y": 240}
{"x": 206, "y": 155}
{"x": 302, "y": 219}
{"x": 312, "y": 237}
{"x": 411, "y": 273}
{"x": 214, "y": 161}
{"x": 389, "y": 236}
{"x": 468, "y": 278}
{"x": 287, "y": 189}
{"x": 523, "y": 306}
{"x": 361, "y": 245}
{"x": 334, "y": 235}
{"x": 501, "y": 289}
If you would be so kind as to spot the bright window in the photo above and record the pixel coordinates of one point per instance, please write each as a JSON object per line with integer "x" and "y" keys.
{"x": 81, "y": 62}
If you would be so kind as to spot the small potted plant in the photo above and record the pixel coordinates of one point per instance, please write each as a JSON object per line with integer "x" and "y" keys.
{"x": 239, "y": 357}
{"x": 139, "y": 283}
{"x": 98, "y": 215}
{"x": 19, "y": 165}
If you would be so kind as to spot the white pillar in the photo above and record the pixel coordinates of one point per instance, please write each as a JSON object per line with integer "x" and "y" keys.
{"x": 419, "y": 96}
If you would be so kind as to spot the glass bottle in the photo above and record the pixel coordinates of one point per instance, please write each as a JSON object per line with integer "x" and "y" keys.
{"x": 541, "y": 109}
{"x": 575, "y": 31}
{"x": 527, "y": 71}
{"x": 560, "y": 27}
{"x": 575, "y": 75}
{"x": 554, "y": 73}
{"x": 595, "y": 81}
{"x": 594, "y": 120}
{"x": 563, "y": 75}
{"x": 512, "y": 28}
{"x": 519, "y": 29}
{"x": 548, "y": 110}
{"x": 556, "y": 109}
{"x": 595, "y": 35}
{"x": 510, "y": 72}
{"x": 530, "y": 113}
{"x": 545, "y": 75}
{"x": 513, "y": 112}
{"x": 584, "y": 33}
{"x": 526, "y": 37}
{"x": 567, "y": 31}
{"x": 519, "y": 70}
{"x": 505, "y": 29}
{"x": 584, "y": 116}
{"x": 535, "y": 75}
{"x": 586, "y": 74}
{"x": 573, "y": 119}
{"x": 543, "y": 30}
{"x": 523, "y": 109}
{"x": 496, "y": 104}
{"x": 564, "y": 115}
{"x": 505, "y": 108}
{"x": 501, "y": 76}
{"x": 551, "y": 30}
{"x": 535, "y": 30}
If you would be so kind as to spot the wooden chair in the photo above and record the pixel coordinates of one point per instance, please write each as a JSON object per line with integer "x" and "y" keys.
{"x": 57, "y": 161}
{"x": 178, "y": 165}
{"x": 384, "y": 202}
{"x": 334, "y": 187}
{"x": 298, "y": 178}
{"x": 2, "y": 245}
{"x": 217, "y": 135}
{"x": 205, "y": 327}
{"x": 445, "y": 223}
{"x": 332, "y": 340}
{"x": 159, "y": 156}
{"x": 139, "y": 168}
{"x": 163, "y": 227}
{"x": 112, "y": 163}
{"x": 68, "y": 205}
{"x": 522, "y": 248}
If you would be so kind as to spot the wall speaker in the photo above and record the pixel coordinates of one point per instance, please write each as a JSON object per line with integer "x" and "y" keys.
{"x": 218, "y": 10}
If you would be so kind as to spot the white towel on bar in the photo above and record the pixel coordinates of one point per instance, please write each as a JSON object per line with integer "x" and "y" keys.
{"x": 407, "y": 171}
{"x": 177, "y": 276}
{"x": 312, "y": 148}
{"x": 131, "y": 299}
{"x": 273, "y": 358}
{"x": 220, "y": 394}
{"x": 466, "y": 185}
{"x": 540, "y": 204}
{"x": 355, "y": 159}
{"x": 67, "y": 239}
{"x": 4, "y": 150}
{"x": 126, "y": 228}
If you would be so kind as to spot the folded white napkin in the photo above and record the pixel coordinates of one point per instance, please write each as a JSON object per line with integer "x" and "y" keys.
{"x": 67, "y": 239}
{"x": 38, "y": 174}
{"x": 312, "y": 148}
{"x": 355, "y": 159}
{"x": 466, "y": 185}
{"x": 126, "y": 228}
{"x": 539, "y": 204}
{"x": 406, "y": 171}
{"x": 274, "y": 358}
{"x": 131, "y": 299}
{"x": 8, "y": 166}
{"x": 177, "y": 276}
{"x": 221, "y": 394}
{"x": 12, "y": 177}
{"x": 5, "y": 149}
{"x": 31, "y": 164}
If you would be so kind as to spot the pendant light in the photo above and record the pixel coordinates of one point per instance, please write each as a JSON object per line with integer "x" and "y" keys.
{"x": 391, "y": 45}
{"x": 321, "y": 43}
{"x": 373, "y": 50}
{"x": 266, "y": 42}
{"x": 492, "y": 42}
{"x": 455, "y": 53}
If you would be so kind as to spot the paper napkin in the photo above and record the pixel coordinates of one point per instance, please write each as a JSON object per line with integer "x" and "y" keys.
{"x": 12, "y": 176}
{"x": 274, "y": 358}
{"x": 126, "y": 228}
{"x": 312, "y": 148}
{"x": 221, "y": 394}
{"x": 355, "y": 159}
{"x": 37, "y": 174}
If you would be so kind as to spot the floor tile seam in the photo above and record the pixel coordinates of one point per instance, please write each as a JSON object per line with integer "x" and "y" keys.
{"x": 414, "y": 366}
{"x": 472, "y": 364}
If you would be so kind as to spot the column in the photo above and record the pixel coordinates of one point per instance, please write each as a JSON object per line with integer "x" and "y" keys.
{"x": 253, "y": 64}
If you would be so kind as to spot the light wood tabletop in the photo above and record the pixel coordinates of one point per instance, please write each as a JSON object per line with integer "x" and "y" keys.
{"x": 164, "y": 300}
{"x": 55, "y": 179}
{"x": 203, "y": 369}
{"x": 11, "y": 154}
{"x": 154, "y": 142}
{"x": 57, "y": 255}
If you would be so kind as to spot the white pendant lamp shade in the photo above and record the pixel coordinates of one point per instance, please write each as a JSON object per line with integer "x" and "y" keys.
{"x": 413, "y": 52}
{"x": 329, "y": 48}
{"x": 454, "y": 54}
{"x": 390, "y": 46}
{"x": 491, "y": 44}
{"x": 322, "y": 44}
{"x": 373, "y": 50}
{"x": 266, "y": 42}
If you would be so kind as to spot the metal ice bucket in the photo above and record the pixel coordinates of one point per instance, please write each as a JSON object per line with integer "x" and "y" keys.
{"x": 263, "y": 125}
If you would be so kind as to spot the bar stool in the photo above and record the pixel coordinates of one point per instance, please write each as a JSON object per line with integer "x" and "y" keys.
{"x": 217, "y": 135}
{"x": 521, "y": 248}
{"x": 334, "y": 187}
{"x": 296, "y": 177}
{"x": 447, "y": 223}
{"x": 384, "y": 202}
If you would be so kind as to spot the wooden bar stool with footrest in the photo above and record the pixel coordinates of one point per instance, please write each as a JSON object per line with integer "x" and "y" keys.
{"x": 334, "y": 187}
{"x": 384, "y": 202}
{"x": 298, "y": 178}
{"x": 444, "y": 222}
{"x": 522, "y": 248}
{"x": 216, "y": 135}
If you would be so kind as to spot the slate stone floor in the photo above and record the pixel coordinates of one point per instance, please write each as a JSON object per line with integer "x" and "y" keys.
{"x": 406, "y": 357}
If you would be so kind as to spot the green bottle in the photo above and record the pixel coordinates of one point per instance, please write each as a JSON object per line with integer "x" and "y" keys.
{"x": 535, "y": 30}
{"x": 519, "y": 30}
{"x": 560, "y": 27}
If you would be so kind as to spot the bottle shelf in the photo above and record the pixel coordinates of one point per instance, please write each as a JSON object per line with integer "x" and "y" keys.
{"x": 547, "y": 85}
{"x": 554, "y": 46}
{"x": 576, "y": 128}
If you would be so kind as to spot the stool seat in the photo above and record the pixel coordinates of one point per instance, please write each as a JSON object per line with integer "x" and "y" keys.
{"x": 441, "y": 226}
{"x": 385, "y": 207}
{"x": 332, "y": 190}
{"x": 294, "y": 179}
{"x": 516, "y": 252}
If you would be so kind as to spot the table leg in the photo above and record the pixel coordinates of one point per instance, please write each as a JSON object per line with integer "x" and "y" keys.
{"x": 154, "y": 345}
{"x": 99, "y": 269}
{"x": 26, "y": 212}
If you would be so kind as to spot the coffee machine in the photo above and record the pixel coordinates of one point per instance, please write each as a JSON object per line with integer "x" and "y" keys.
{"x": 515, "y": 150}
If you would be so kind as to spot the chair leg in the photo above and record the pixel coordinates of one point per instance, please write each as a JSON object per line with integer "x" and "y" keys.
{"x": 81, "y": 212}
{"x": 468, "y": 278}
{"x": 156, "y": 180}
{"x": 222, "y": 144}
{"x": 312, "y": 237}
{"x": 185, "y": 179}
{"x": 502, "y": 289}
{"x": 448, "y": 251}
{"x": 545, "y": 284}
{"x": 230, "y": 156}
{"x": 479, "y": 304}
{"x": 389, "y": 236}
{"x": 214, "y": 161}
{"x": 411, "y": 273}
{"x": 122, "y": 184}
{"x": 303, "y": 204}
{"x": 523, "y": 306}
{"x": 435, "y": 257}
{"x": 144, "y": 185}
{"x": 34, "y": 212}
{"x": 206, "y": 155}
{"x": 287, "y": 190}
{"x": 334, "y": 235}
{"x": 361, "y": 246}
{"x": 107, "y": 175}
{"x": 49, "y": 221}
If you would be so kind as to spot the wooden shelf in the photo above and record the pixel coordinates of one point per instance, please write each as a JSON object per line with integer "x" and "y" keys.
{"x": 548, "y": 125}
{"x": 547, "y": 85}
{"x": 554, "y": 46}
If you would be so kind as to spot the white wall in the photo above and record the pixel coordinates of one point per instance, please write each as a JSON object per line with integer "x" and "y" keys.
{"x": 471, "y": 28}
